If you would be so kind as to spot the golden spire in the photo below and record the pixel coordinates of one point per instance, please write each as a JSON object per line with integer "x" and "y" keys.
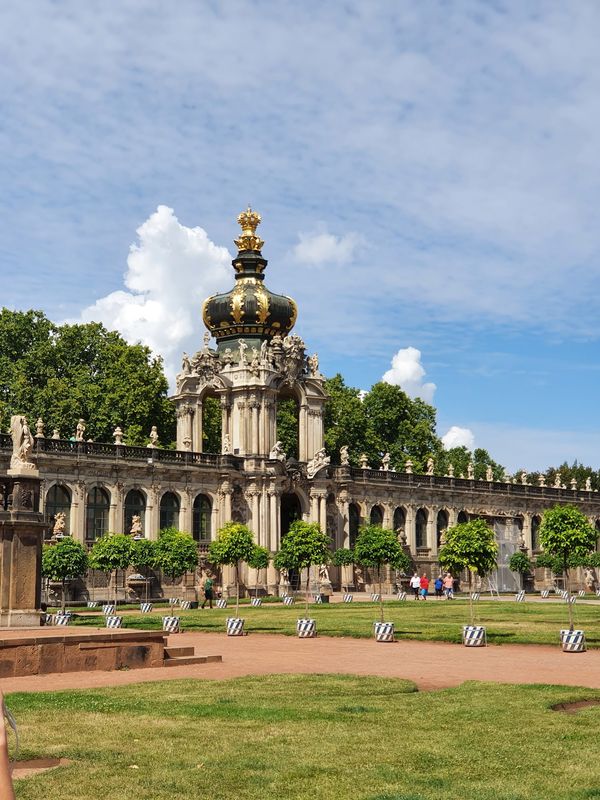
{"x": 249, "y": 221}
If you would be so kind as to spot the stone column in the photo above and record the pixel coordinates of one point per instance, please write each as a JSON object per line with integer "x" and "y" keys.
{"x": 411, "y": 534}
{"x": 388, "y": 516}
{"x": 153, "y": 512}
{"x": 225, "y": 419}
{"x": 186, "y": 511}
{"x": 344, "y": 506}
{"x": 78, "y": 498}
{"x": 452, "y": 517}
{"x": 303, "y": 443}
{"x": 323, "y": 511}
{"x": 197, "y": 444}
{"x": 432, "y": 530}
{"x": 314, "y": 506}
{"x": 527, "y": 531}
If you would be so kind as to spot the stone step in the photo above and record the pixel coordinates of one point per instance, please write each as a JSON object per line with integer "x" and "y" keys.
{"x": 177, "y": 652}
{"x": 181, "y": 661}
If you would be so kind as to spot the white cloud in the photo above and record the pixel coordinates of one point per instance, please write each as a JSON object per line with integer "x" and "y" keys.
{"x": 458, "y": 437}
{"x": 170, "y": 271}
{"x": 322, "y": 247}
{"x": 408, "y": 373}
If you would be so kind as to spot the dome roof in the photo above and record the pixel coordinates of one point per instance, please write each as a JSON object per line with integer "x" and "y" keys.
{"x": 249, "y": 310}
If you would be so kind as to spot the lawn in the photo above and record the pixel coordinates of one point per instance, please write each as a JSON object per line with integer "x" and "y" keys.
{"x": 299, "y": 737}
{"x": 506, "y": 622}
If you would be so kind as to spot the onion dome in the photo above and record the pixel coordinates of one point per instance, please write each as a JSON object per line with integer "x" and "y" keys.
{"x": 249, "y": 310}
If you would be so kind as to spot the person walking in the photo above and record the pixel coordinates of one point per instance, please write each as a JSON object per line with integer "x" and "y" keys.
{"x": 415, "y": 584}
{"x": 439, "y": 585}
{"x": 208, "y": 592}
{"x": 448, "y": 586}
{"x": 424, "y": 584}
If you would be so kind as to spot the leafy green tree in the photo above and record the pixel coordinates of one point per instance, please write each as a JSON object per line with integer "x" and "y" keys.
{"x": 63, "y": 560}
{"x": 234, "y": 543}
{"x": 287, "y": 426}
{"x": 461, "y": 457}
{"x": 377, "y": 547}
{"x": 343, "y": 557}
{"x": 566, "y": 533}
{"x": 211, "y": 425}
{"x": 110, "y": 553}
{"x": 471, "y": 546}
{"x": 519, "y": 562}
{"x": 259, "y": 559}
{"x": 302, "y": 546}
{"x": 143, "y": 557}
{"x": 63, "y": 372}
{"x": 344, "y": 421}
{"x": 176, "y": 552}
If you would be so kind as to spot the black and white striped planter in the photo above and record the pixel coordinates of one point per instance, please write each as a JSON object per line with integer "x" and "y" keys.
{"x": 384, "y": 631}
{"x": 375, "y": 597}
{"x": 222, "y": 603}
{"x": 92, "y": 604}
{"x": 306, "y": 628}
{"x": 348, "y": 598}
{"x": 572, "y": 641}
{"x": 545, "y": 593}
{"x": 185, "y": 605}
{"x": 171, "y": 624}
{"x": 235, "y": 626}
{"x": 401, "y": 596}
{"x": 145, "y": 608}
{"x": 113, "y": 621}
{"x": 46, "y": 619}
{"x": 256, "y": 602}
{"x": 317, "y": 599}
{"x": 597, "y": 592}
{"x": 581, "y": 593}
{"x": 520, "y": 596}
{"x": 475, "y": 596}
{"x": 109, "y": 608}
{"x": 474, "y": 636}
{"x": 61, "y": 619}
{"x": 288, "y": 600}
{"x": 568, "y": 599}
{"x": 173, "y": 601}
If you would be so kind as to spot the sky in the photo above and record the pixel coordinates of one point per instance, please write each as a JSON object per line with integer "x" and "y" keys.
{"x": 427, "y": 174}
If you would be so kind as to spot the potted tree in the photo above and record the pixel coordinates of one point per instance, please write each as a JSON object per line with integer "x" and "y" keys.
{"x": 343, "y": 558}
{"x": 470, "y": 546}
{"x": 65, "y": 560}
{"x": 234, "y": 543}
{"x": 520, "y": 563}
{"x": 377, "y": 547}
{"x": 110, "y": 553}
{"x": 258, "y": 560}
{"x": 567, "y": 534}
{"x": 143, "y": 558}
{"x": 176, "y": 553}
{"x": 302, "y": 546}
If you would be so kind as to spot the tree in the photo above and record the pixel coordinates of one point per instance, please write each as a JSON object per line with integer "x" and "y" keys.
{"x": 471, "y": 546}
{"x": 211, "y": 425}
{"x": 461, "y": 457}
{"x": 176, "y": 552}
{"x": 344, "y": 421}
{"x": 302, "y": 546}
{"x": 287, "y": 426}
{"x": 566, "y": 533}
{"x": 143, "y": 557}
{"x": 234, "y": 543}
{"x": 343, "y": 557}
{"x": 63, "y": 372}
{"x": 65, "y": 559}
{"x": 377, "y": 547}
{"x": 110, "y": 553}
{"x": 519, "y": 562}
{"x": 259, "y": 559}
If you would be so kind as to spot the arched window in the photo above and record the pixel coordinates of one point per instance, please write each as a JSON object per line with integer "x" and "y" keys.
{"x": 376, "y": 515}
{"x": 96, "y": 513}
{"x": 421, "y": 528}
{"x": 135, "y": 505}
{"x": 442, "y": 525}
{"x": 399, "y": 519}
{"x": 353, "y": 523}
{"x": 201, "y": 518}
{"x": 535, "y": 533}
{"x": 169, "y": 511}
{"x": 58, "y": 500}
{"x": 462, "y": 517}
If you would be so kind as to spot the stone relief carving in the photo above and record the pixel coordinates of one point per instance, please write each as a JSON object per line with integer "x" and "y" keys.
{"x": 277, "y": 452}
{"x": 317, "y": 462}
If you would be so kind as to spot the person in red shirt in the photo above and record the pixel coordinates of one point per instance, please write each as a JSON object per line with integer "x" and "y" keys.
{"x": 424, "y": 586}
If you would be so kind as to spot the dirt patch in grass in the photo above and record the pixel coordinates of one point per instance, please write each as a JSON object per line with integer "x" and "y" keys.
{"x": 25, "y": 769}
{"x": 573, "y": 708}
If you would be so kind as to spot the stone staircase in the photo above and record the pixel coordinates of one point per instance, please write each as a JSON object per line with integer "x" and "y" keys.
{"x": 184, "y": 656}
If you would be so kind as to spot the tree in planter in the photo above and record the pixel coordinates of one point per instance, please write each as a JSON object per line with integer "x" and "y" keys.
{"x": 377, "y": 547}
{"x": 302, "y": 546}
{"x": 567, "y": 534}
{"x": 234, "y": 543}
{"x": 343, "y": 557}
{"x": 143, "y": 557}
{"x": 63, "y": 560}
{"x": 471, "y": 546}
{"x": 259, "y": 559}
{"x": 519, "y": 562}
{"x": 110, "y": 553}
{"x": 176, "y": 552}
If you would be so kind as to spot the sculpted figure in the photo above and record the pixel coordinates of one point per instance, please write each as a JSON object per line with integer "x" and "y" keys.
{"x": 557, "y": 481}
{"x": 588, "y": 484}
{"x": 136, "y": 526}
{"x": 430, "y": 466}
{"x": 344, "y": 457}
{"x": 470, "y": 471}
{"x": 385, "y": 462}
{"x": 242, "y": 347}
{"x": 227, "y": 444}
{"x": 408, "y": 466}
{"x": 206, "y": 339}
{"x": 55, "y": 434}
{"x": 153, "y": 437}
{"x": 264, "y": 352}
{"x": 39, "y": 428}
{"x": 58, "y": 529}
{"x": 186, "y": 365}
{"x": 541, "y": 479}
{"x": 187, "y": 443}
{"x": 489, "y": 473}
{"x": 574, "y": 484}
{"x": 118, "y": 435}
{"x": 313, "y": 364}
{"x": 22, "y": 442}
{"x": 524, "y": 477}
{"x": 80, "y": 430}
{"x": 364, "y": 461}
{"x": 255, "y": 362}
{"x": 317, "y": 462}
{"x": 227, "y": 357}
{"x": 277, "y": 452}
{"x": 450, "y": 470}
{"x": 324, "y": 574}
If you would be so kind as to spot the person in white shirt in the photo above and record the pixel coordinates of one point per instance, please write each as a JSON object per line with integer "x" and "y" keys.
{"x": 415, "y": 584}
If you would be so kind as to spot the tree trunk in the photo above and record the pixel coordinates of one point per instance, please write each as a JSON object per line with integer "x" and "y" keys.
{"x": 306, "y": 589}
{"x": 380, "y": 592}
{"x": 568, "y": 590}
{"x": 237, "y": 590}
{"x": 471, "y": 610}
{"x": 63, "y": 598}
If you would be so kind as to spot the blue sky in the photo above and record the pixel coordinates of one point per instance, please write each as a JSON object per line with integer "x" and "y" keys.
{"x": 427, "y": 175}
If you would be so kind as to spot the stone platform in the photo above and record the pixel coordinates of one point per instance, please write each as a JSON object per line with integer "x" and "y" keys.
{"x": 35, "y": 651}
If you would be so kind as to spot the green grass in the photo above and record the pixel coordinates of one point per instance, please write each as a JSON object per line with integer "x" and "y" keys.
{"x": 314, "y": 737}
{"x": 506, "y": 622}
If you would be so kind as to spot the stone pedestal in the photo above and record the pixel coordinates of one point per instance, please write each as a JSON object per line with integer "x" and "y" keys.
{"x": 21, "y": 534}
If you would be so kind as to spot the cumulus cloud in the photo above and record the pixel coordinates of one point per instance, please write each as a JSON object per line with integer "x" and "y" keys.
{"x": 171, "y": 269}
{"x": 408, "y": 373}
{"x": 321, "y": 247}
{"x": 458, "y": 437}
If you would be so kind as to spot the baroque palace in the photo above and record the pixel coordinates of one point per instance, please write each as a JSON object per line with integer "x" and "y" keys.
{"x": 256, "y": 362}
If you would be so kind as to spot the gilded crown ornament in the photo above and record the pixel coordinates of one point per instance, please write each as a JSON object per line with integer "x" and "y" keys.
{"x": 249, "y": 220}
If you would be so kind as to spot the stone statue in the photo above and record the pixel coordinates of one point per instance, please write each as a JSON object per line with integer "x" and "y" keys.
{"x": 55, "y": 434}
{"x": 187, "y": 443}
{"x": 277, "y": 452}
{"x": 313, "y": 365}
{"x": 557, "y": 481}
{"x": 450, "y": 470}
{"x": 385, "y": 463}
{"x": 588, "y": 578}
{"x": 408, "y": 466}
{"x": 58, "y": 529}
{"x": 153, "y": 437}
{"x": 317, "y": 462}
{"x": 430, "y": 466}
{"x": 344, "y": 457}
{"x": 186, "y": 365}
{"x": 79, "y": 431}
{"x": 206, "y": 339}
{"x": 118, "y": 435}
{"x": 588, "y": 484}
{"x": 264, "y": 352}
{"x": 136, "y": 526}
{"x": 364, "y": 461}
{"x": 39, "y": 428}
{"x": 324, "y": 574}
{"x": 470, "y": 471}
{"x": 541, "y": 479}
{"x": 573, "y": 484}
{"x": 22, "y": 442}
{"x": 226, "y": 444}
{"x": 524, "y": 477}
{"x": 489, "y": 473}
{"x": 255, "y": 362}
{"x": 242, "y": 347}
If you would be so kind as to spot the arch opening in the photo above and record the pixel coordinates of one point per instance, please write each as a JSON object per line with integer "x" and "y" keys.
{"x": 421, "y": 528}
{"x": 96, "y": 513}
{"x": 58, "y": 500}
{"x": 169, "y": 511}
{"x": 135, "y": 505}
{"x": 376, "y": 516}
{"x": 201, "y": 518}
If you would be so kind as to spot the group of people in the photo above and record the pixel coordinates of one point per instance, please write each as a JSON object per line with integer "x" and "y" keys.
{"x": 443, "y": 585}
